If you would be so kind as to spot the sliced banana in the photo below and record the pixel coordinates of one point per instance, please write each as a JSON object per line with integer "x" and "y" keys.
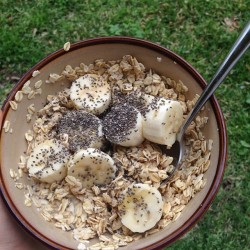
{"x": 84, "y": 130}
{"x": 123, "y": 126}
{"x": 162, "y": 121}
{"x": 91, "y": 93}
{"x": 141, "y": 207}
{"x": 48, "y": 161}
{"x": 92, "y": 167}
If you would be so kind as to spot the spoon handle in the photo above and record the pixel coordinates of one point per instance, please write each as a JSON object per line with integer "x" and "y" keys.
{"x": 238, "y": 49}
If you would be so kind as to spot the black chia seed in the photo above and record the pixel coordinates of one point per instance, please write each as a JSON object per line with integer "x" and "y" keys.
{"x": 119, "y": 122}
{"x": 134, "y": 98}
{"x": 82, "y": 129}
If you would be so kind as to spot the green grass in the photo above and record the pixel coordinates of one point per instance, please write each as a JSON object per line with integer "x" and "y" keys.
{"x": 195, "y": 29}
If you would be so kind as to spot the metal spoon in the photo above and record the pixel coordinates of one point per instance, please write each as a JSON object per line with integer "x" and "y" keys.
{"x": 238, "y": 49}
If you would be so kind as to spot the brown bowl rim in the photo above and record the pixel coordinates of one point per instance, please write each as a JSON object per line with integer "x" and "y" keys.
{"x": 199, "y": 213}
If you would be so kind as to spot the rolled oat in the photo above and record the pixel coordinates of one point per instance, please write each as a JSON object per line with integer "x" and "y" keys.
{"x": 66, "y": 46}
{"x": 18, "y": 96}
{"x": 6, "y": 126}
{"x": 38, "y": 84}
{"x": 13, "y": 105}
{"x": 35, "y": 73}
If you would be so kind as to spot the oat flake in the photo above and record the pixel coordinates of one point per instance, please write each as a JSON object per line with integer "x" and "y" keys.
{"x": 38, "y": 84}
{"x": 26, "y": 90}
{"x": 19, "y": 185}
{"x": 31, "y": 109}
{"x": 13, "y": 105}
{"x": 159, "y": 59}
{"x": 28, "y": 117}
{"x": 31, "y": 94}
{"x": 29, "y": 135}
{"x": 27, "y": 84}
{"x": 18, "y": 96}
{"x": 35, "y": 73}
{"x": 6, "y": 126}
{"x": 54, "y": 78}
{"x": 66, "y": 46}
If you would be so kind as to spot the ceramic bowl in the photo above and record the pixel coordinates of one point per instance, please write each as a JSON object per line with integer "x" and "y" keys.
{"x": 109, "y": 48}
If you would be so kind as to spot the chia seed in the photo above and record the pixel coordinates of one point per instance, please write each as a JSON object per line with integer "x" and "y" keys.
{"x": 83, "y": 129}
{"x": 119, "y": 122}
{"x": 134, "y": 98}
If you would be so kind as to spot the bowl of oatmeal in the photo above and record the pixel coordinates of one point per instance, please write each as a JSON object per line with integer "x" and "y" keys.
{"x": 82, "y": 159}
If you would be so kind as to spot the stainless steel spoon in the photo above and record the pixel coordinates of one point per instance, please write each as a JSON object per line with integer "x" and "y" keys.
{"x": 238, "y": 49}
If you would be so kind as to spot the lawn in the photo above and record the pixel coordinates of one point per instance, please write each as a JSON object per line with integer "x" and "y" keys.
{"x": 201, "y": 31}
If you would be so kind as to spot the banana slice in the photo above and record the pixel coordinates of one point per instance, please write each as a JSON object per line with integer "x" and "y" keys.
{"x": 91, "y": 93}
{"x": 48, "y": 161}
{"x": 162, "y": 121}
{"x": 123, "y": 126}
{"x": 92, "y": 167}
{"x": 141, "y": 207}
{"x": 84, "y": 130}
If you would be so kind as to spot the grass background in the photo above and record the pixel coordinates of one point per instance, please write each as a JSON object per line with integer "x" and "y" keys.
{"x": 201, "y": 31}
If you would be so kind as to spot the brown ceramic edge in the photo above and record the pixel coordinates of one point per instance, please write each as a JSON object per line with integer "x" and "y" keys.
{"x": 1, "y": 119}
{"x": 219, "y": 116}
